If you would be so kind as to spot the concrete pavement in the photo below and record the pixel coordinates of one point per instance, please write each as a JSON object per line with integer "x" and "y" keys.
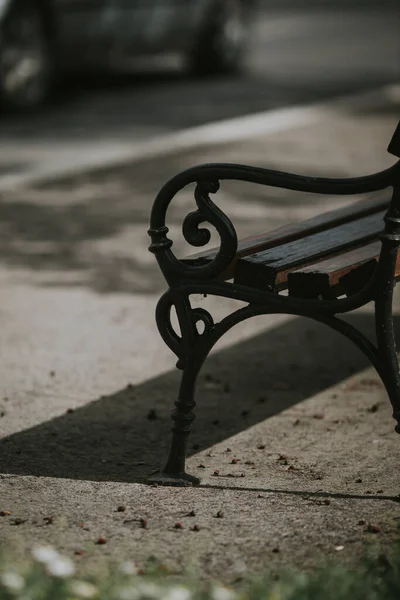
{"x": 82, "y": 366}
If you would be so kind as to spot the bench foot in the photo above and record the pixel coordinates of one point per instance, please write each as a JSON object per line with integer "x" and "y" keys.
{"x": 179, "y": 480}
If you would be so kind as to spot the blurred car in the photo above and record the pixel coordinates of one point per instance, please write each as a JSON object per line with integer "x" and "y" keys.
{"x": 43, "y": 39}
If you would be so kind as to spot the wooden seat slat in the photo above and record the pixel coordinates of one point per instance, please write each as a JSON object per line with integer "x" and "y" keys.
{"x": 329, "y": 277}
{"x": 269, "y": 269}
{"x": 294, "y": 231}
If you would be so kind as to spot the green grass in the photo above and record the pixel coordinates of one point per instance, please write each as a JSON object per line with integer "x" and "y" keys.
{"x": 49, "y": 576}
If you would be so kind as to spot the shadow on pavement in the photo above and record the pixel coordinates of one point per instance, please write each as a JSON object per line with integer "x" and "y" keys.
{"x": 123, "y": 437}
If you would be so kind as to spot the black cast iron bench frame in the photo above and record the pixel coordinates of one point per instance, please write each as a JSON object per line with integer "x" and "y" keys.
{"x": 186, "y": 278}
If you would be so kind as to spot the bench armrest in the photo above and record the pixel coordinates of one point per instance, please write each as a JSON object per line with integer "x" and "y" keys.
{"x": 207, "y": 178}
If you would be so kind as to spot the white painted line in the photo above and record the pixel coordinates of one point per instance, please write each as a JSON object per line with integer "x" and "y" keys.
{"x": 221, "y": 132}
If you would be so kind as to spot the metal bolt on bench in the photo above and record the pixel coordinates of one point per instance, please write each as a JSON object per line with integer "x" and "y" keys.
{"x": 329, "y": 265}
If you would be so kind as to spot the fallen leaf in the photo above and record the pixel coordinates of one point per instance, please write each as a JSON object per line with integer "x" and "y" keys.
{"x": 281, "y": 385}
{"x": 373, "y": 528}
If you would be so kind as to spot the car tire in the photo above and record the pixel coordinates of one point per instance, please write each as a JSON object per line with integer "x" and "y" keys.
{"x": 222, "y": 40}
{"x": 26, "y": 59}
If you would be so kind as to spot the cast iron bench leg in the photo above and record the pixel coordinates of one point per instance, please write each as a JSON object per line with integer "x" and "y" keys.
{"x": 192, "y": 353}
{"x": 385, "y": 284}
{"x": 183, "y": 416}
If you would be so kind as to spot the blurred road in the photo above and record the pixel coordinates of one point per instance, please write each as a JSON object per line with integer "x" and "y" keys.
{"x": 296, "y": 57}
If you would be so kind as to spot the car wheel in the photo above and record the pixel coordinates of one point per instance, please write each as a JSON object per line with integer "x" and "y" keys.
{"x": 221, "y": 43}
{"x": 26, "y": 59}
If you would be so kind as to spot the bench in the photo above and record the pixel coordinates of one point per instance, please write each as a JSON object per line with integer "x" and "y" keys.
{"x": 320, "y": 268}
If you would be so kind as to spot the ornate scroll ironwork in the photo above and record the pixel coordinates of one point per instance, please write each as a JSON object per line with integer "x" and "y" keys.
{"x": 185, "y": 279}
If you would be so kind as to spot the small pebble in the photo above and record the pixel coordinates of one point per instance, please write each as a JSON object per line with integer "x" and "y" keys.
{"x": 261, "y": 447}
{"x": 195, "y": 528}
{"x": 327, "y": 501}
{"x": 191, "y": 514}
{"x": 70, "y": 410}
{"x": 339, "y": 548}
{"x": 152, "y": 415}
{"x": 143, "y": 523}
{"x": 121, "y": 508}
{"x": 235, "y": 461}
{"x": 216, "y": 473}
{"x": 359, "y": 480}
{"x": 228, "y": 450}
{"x": 178, "y": 525}
{"x": 5, "y": 513}
{"x": 101, "y": 541}
{"x": 219, "y": 515}
{"x": 79, "y": 552}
